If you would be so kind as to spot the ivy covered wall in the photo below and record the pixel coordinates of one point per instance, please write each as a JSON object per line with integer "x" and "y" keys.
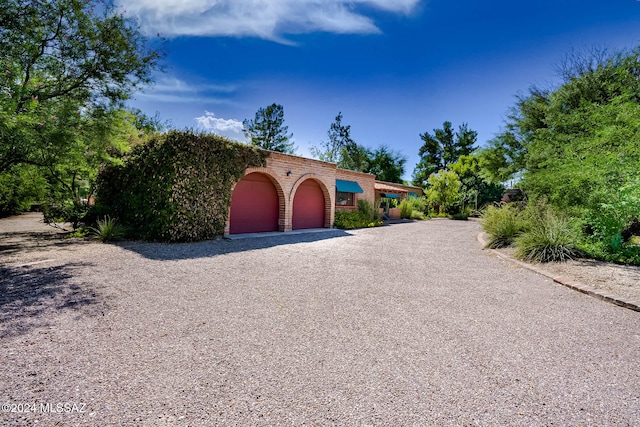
{"x": 177, "y": 186}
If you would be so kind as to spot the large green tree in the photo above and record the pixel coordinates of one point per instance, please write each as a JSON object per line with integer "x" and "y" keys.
{"x": 441, "y": 149}
{"x": 267, "y": 130}
{"x": 578, "y": 145}
{"x": 475, "y": 191}
{"x": 62, "y": 58}
{"x": 443, "y": 190}
{"x": 355, "y": 157}
{"x": 386, "y": 164}
{"x": 67, "y": 67}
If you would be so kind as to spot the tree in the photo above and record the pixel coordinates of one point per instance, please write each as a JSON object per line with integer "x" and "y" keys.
{"x": 443, "y": 190}
{"x": 354, "y": 157}
{"x": 341, "y": 149}
{"x": 441, "y": 149}
{"x": 67, "y": 66}
{"x": 387, "y": 164}
{"x": 475, "y": 190}
{"x": 63, "y": 56}
{"x": 339, "y": 138}
{"x": 267, "y": 130}
{"x": 577, "y": 145}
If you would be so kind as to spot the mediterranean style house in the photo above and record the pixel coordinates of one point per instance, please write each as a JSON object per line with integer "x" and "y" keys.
{"x": 292, "y": 193}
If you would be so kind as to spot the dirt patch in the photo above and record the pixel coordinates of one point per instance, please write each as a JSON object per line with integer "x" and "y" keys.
{"x": 619, "y": 280}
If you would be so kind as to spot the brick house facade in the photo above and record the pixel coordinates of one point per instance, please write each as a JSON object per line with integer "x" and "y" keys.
{"x": 292, "y": 176}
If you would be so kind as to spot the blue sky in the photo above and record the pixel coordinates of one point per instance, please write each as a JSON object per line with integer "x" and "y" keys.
{"x": 394, "y": 68}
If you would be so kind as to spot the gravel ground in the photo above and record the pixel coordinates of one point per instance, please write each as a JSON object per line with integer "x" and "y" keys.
{"x": 410, "y": 324}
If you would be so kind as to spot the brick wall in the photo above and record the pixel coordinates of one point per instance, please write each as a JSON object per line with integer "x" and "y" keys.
{"x": 365, "y": 180}
{"x": 287, "y": 172}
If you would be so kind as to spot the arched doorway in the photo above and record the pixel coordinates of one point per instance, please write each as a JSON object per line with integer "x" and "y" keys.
{"x": 254, "y": 205}
{"x": 308, "y": 206}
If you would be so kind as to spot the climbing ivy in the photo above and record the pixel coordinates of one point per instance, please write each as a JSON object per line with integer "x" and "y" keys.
{"x": 177, "y": 186}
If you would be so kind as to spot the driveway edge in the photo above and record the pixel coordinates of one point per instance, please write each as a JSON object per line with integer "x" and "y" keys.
{"x": 565, "y": 281}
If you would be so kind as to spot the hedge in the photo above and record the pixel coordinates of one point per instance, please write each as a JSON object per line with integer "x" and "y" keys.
{"x": 177, "y": 186}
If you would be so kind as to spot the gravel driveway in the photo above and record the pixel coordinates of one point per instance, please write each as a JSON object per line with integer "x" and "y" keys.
{"x": 410, "y": 324}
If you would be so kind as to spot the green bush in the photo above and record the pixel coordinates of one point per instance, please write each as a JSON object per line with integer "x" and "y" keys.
{"x": 368, "y": 209}
{"x": 460, "y": 216}
{"x": 20, "y": 187}
{"x": 418, "y": 215}
{"x": 628, "y": 254}
{"x": 108, "y": 230}
{"x": 177, "y": 186}
{"x": 548, "y": 238}
{"x": 406, "y": 208}
{"x": 503, "y": 225}
{"x": 412, "y": 208}
{"x": 354, "y": 219}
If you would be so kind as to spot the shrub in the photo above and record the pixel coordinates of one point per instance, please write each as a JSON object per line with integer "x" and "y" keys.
{"x": 108, "y": 230}
{"x": 548, "y": 239}
{"x": 628, "y": 254}
{"x": 412, "y": 208}
{"x": 177, "y": 186}
{"x": 366, "y": 208}
{"x": 355, "y": 219}
{"x": 503, "y": 224}
{"x": 460, "y": 216}
{"x": 418, "y": 215}
{"x": 406, "y": 209}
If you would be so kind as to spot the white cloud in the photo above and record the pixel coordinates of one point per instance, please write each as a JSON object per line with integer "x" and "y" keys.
{"x": 267, "y": 19}
{"x": 173, "y": 84}
{"x": 231, "y": 128}
{"x": 174, "y": 90}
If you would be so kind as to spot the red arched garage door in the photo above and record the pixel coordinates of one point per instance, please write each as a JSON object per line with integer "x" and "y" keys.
{"x": 308, "y": 206}
{"x": 254, "y": 205}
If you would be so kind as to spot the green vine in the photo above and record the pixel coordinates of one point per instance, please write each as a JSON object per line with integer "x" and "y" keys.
{"x": 177, "y": 186}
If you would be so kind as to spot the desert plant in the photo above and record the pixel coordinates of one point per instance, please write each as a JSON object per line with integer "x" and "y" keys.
{"x": 549, "y": 238}
{"x": 367, "y": 209}
{"x": 377, "y": 215}
{"x": 406, "y": 208}
{"x": 503, "y": 224}
{"x": 108, "y": 229}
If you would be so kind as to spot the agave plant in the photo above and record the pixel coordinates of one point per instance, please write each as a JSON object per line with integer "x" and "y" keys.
{"x": 108, "y": 229}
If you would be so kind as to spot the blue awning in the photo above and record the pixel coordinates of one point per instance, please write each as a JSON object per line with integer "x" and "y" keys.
{"x": 348, "y": 186}
{"x": 411, "y": 194}
{"x": 390, "y": 196}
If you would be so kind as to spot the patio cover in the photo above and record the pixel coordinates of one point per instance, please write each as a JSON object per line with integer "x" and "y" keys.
{"x": 383, "y": 187}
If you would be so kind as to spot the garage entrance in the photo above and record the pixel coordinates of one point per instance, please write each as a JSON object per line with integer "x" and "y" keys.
{"x": 308, "y": 206}
{"x": 254, "y": 205}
